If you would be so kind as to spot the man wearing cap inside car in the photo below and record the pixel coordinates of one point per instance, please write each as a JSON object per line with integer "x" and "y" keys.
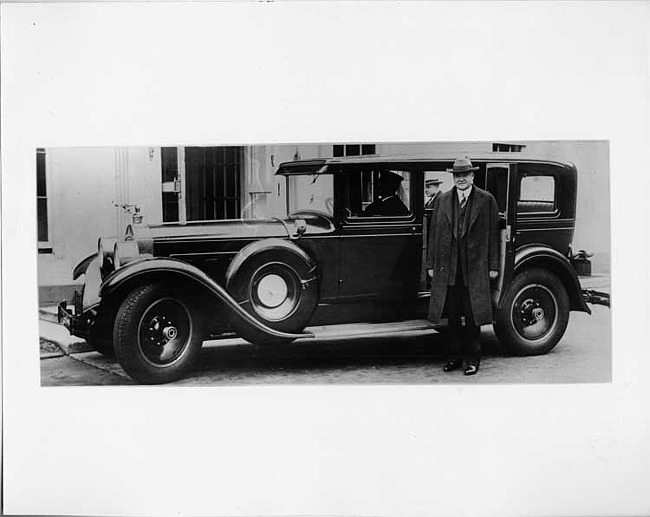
{"x": 388, "y": 202}
{"x": 462, "y": 259}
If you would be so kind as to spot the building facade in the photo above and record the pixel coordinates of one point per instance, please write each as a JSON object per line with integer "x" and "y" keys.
{"x": 84, "y": 193}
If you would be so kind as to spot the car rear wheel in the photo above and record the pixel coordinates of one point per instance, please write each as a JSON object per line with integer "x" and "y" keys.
{"x": 534, "y": 314}
{"x": 279, "y": 288}
{"x": 157, "y": 334}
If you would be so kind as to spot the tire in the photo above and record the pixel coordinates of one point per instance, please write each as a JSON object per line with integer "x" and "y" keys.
{"x": 102, "y": 345}
{"x": 534, "y": 314}
{"x": 101, "y": 334}
{"x": 157, "y": 335}
{"x": 279, "y": 288}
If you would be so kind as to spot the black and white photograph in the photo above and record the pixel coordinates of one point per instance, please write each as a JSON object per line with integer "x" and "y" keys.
{"x": 325, "y": 258}
{"x": 337, "y": 263}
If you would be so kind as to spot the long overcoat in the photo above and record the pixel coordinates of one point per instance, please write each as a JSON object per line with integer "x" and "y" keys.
{"x": 481, "y": 236}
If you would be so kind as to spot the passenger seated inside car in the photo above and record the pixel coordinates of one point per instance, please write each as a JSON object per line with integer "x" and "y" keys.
{"x": 388, "y": 202}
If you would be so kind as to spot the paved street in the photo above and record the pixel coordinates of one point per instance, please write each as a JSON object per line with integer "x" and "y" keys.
{"x": 584, "y": 355}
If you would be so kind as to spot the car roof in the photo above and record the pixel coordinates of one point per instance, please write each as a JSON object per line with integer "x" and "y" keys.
{"x": 320, "y": 165}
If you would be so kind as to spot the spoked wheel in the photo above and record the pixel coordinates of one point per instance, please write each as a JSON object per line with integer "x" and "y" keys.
{"x": 157, "y": 334}
{"x": 534, "y": 314}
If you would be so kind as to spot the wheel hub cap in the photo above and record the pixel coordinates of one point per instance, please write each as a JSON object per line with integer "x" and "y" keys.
{"x": 534, "y": 312}
{"x": 272, "y": 290}
{"x": 170, "y": 332}
{"x": 164, "y": 331}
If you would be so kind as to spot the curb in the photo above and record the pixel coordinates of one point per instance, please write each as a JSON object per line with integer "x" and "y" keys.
{"x": 48, "y": 314}
{"x": 59, "y": 335}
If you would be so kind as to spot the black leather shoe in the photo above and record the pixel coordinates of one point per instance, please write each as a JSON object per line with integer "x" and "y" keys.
{"x": 452, "y": 365}
{"x": 471, "y": 369}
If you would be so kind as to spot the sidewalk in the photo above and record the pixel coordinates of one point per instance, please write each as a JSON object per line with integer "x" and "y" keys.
{"x": 596, "y": 282}
{"x": 55, "y": 280}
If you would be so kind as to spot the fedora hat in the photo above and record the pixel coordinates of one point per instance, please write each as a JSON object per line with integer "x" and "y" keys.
{"x": 432, "y": 181}
{"x": 462, "y": 166}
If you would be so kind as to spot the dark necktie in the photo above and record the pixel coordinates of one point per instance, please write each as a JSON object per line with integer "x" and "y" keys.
{"x": 461, "y": 212}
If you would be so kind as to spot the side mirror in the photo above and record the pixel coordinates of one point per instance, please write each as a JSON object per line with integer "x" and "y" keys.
{"x": 299, "y": 228}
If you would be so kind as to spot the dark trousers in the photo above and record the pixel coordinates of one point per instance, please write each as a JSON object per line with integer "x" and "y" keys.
{"x": 464, "y": 341}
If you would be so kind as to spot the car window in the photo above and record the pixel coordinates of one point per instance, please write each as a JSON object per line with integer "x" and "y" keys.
{"x": 378, "y": 191}
{"x": 313, "y": 192}
{"x": 536, "y": 194}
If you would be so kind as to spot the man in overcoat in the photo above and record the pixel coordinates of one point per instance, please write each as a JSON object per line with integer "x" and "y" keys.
{"x": 462, "y": 260}
{"x": 431, "y": 191}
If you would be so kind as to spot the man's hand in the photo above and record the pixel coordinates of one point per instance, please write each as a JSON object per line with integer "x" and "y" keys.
{"x": 493, "y": 274}
{"x": 430, "y": 273}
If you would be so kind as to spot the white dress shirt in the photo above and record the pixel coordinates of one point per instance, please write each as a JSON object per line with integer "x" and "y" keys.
{"x": 464, "y": 193}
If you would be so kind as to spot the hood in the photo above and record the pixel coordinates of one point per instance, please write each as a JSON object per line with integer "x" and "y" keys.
{"x": 306, "y": 223}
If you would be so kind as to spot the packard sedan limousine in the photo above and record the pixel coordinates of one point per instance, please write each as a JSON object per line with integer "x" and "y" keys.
{"x": 152, "y": 297}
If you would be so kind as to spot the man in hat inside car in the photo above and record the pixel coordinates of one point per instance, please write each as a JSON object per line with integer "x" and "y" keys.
{"x": 388, "y": 202}
{"x": 431, "y": 191}
{"x": 462, "y": 260}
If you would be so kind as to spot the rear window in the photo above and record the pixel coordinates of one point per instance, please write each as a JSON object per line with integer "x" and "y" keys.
{"x": 536, "y": 194}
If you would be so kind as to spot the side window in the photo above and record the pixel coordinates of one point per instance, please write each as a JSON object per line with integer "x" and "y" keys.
{"x": 436, "y": 181}
{"x": 378, "y": 191}
{"x": 536, "y": 194}
{"x": 311, "y": 192}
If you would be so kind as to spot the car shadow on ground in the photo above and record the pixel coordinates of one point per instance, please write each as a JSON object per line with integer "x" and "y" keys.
{"x": 320, "y": 355}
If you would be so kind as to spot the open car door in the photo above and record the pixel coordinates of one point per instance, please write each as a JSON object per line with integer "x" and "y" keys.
{"x": 499, "y": 181}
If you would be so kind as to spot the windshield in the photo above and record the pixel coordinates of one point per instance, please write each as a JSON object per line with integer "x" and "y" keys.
{"x": 310, "y": 192}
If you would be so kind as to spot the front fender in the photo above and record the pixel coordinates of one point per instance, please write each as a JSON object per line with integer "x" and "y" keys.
{"x": 143, "y": 268}
{"x": 82, "y": 267}
{"x": 264, "y": 245}
{"x": 554, "y": 261}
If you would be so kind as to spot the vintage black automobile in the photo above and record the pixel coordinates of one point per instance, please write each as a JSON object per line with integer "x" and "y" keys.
{"x": 154, "y": 296}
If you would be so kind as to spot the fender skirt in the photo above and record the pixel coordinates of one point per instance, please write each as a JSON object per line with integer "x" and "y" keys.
{"x": 150, "y": 265}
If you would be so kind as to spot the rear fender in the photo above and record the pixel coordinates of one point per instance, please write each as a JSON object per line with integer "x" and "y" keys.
{"x": 553, "y": 261}
{"x": 139, "y": 271}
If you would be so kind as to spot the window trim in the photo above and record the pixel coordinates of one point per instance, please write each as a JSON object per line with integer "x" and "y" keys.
{"x": 182, "y": 198}
{"x": 360, "y": 221}
{"x": 552, "y": 214}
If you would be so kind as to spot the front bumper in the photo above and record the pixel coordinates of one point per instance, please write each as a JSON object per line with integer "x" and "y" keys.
{"x": 77, "y": 322}
{"x": 79, "y": 317}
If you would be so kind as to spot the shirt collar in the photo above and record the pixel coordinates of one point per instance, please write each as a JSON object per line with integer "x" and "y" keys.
{"x": 466, "y": 192}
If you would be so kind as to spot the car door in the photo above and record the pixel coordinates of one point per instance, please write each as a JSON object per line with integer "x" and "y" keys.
{"x": 380, "y": 250}
{"x": 500, "y": 181}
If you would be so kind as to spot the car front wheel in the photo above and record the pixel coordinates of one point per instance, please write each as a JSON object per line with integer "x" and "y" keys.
{"x": 157, "y": 334}
{"x": 534, "y": 314}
